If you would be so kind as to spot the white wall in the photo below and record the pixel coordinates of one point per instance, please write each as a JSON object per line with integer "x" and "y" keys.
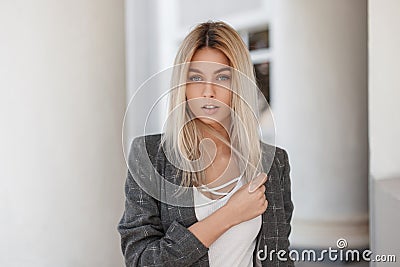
{"x": 62, "y": 96}
{"x": 193, "y": 12}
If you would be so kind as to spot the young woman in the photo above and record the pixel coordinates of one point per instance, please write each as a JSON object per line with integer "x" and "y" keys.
{"x": 198, "y": 194}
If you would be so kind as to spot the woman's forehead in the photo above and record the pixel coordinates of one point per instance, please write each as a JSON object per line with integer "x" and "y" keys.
{"x": 210, "y": 55}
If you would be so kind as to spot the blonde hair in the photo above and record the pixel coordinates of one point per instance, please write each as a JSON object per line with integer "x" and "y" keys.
{"x": 182, "y": 145}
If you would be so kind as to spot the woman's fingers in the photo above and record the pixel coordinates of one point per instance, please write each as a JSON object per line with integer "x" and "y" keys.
{"x": 247, "y": 205}
{"x": 257, "y": 182}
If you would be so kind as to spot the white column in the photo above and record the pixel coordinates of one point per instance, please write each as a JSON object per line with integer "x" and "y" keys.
{"x": 384, "y": 126}
{"x": 62, "y": 99}
{"x": 319, "y": 99}
{"x": 143, "y": 60}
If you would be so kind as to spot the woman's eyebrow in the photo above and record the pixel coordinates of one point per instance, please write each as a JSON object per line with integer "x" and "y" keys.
{"x": 215, "y": 72}
{"x": 223, "y": 69}
{"x": 195, "y": 70}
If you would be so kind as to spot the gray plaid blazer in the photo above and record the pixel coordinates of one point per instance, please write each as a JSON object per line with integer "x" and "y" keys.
{"x": 154, "y": 233}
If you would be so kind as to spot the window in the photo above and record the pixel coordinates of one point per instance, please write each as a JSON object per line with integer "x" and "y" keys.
{"x": 257, "y": 41}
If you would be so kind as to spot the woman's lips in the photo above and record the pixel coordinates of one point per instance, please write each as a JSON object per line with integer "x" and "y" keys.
{"x": 210, "y": 109}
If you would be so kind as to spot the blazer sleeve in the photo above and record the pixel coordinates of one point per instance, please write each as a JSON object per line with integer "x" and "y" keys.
{"x": 144, "y": 242}
{"x": 287, "y": 201}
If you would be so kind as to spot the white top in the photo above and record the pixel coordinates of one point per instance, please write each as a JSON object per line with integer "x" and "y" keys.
{"x": 235, "y": 247}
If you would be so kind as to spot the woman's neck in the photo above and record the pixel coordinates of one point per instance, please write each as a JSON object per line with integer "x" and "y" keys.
{"x": 221, "y": 146}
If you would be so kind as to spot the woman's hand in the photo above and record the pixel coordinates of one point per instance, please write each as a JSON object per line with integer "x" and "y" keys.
{"x": 244, "y": 204}
{"x": 248, "y": 202}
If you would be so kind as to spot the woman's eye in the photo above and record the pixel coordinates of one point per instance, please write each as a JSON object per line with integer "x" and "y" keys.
{"x": 223, "y": 78}
{"x": 195, "y": 78}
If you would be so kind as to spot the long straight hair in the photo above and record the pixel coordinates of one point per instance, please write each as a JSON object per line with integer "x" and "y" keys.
{"x": 182, "y": 136}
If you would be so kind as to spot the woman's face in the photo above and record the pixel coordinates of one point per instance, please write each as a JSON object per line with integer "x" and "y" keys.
{"x": 208, "y": 87}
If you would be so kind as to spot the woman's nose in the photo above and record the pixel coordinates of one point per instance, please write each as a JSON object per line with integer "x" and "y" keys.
{"x": 208, "y": 90}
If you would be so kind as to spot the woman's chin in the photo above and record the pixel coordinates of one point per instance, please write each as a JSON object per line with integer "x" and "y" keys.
{"x": 216, "y": 124}
{"x": 208, "y": 121}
